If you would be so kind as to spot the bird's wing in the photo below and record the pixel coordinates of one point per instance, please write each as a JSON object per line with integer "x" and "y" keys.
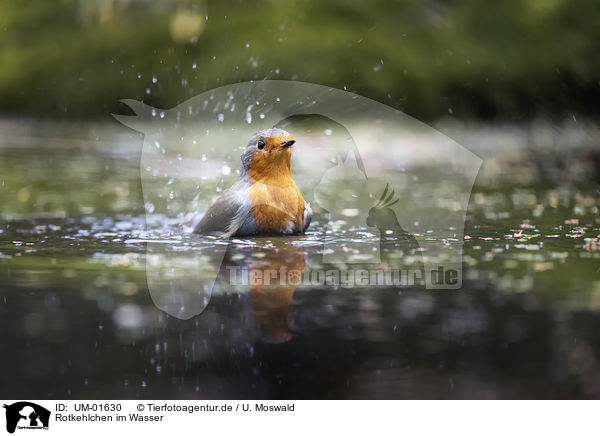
{"x": 225, "y": 216}
{"x": 306, "y": 216}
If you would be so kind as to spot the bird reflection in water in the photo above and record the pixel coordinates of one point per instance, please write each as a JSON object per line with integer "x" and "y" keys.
{"x": 272, "y": 268}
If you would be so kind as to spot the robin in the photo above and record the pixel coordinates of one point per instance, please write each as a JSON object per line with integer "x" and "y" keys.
{"x": 265, "y": 199}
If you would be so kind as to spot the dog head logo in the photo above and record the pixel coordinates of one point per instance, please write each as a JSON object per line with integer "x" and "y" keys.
{"x": 26, "y": 415}
{"x": 192, "y": 151}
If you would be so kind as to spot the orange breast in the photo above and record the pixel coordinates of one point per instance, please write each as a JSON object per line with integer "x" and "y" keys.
{"x": 277, "y": 207}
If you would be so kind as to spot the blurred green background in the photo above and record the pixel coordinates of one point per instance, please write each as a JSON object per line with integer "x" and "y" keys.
{"x": 514, "y": 59}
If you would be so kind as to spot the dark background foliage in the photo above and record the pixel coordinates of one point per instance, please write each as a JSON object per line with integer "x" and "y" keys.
{"x": 512, "y": 60}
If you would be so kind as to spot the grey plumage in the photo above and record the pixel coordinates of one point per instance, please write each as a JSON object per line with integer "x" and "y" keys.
{"x": 306, "y": 216}
{"x": 227, "y": 213}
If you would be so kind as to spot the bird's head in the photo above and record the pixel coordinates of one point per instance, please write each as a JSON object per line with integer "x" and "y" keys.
{"x": 268, "y": 154}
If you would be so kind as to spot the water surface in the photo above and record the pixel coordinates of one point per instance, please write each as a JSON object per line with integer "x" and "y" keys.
{"x": 78, "y": 320}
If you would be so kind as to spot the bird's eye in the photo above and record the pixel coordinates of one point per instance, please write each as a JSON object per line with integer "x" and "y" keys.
{"x": 261, "y": 144}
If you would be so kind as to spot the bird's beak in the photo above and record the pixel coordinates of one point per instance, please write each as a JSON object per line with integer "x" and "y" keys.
{"x": 287, "y": 144}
